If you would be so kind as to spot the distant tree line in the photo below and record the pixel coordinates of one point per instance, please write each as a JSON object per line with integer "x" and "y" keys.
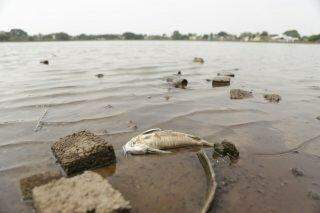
{"x": 288, "y": 36}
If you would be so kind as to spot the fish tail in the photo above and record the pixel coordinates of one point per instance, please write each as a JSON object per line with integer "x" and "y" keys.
{"x": 206, "y": 143}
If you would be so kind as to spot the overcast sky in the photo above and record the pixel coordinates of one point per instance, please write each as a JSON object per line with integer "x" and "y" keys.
{"x": 160, "y": 16}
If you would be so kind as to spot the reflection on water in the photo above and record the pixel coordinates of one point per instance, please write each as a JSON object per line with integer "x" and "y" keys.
{"x": 134, "y": 86}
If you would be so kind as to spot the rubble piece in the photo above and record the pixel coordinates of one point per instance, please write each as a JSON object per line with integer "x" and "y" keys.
{"x": 240, "y": 94}
{"x": 274, "y": 98}
{"x": 226, "y": 148}
{"x": 221, "y": 81}
{"x": 81, "y": 151}
{"x": 178, "y": 82}
{"x": 297, "y": 172}
{"x": 88, "y": 192}
{"x": 28, "y": 183}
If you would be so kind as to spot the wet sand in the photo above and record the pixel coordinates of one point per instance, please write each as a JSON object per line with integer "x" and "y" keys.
{"x": 272, "y": 138}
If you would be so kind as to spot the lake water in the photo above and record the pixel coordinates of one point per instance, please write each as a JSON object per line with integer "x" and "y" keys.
{"x": 134, "y": 88}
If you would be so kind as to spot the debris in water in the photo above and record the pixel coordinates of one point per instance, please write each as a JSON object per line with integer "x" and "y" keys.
{"x": 229, "y": 74}
{"x": 81, "y": 151}
{"x": 179, "y": 73}
{"x": 275, "y": 98}
{"x": 208, "y": 80}
{"x": 155, "y": 140}
{"x": 167, "y": 97}
{"x": 89, "y": 192}
{"x": 28, "y": 183}
{"x": 221, "y": 81}
{"x": 318, "y": 118}
{"x": 198, "y": 60}
{"x": 297, "y": 172}
{"x": 240, "y": 94}
{"x": 108, "y": 106}
{"x": 46, "y": 62}
{"x": 99, "y": 75}
{"x": 149, "y": 97}
{"x": 178, "y": 82}
{"x": 40, "y": 123}
{"x": 226, "y": 148}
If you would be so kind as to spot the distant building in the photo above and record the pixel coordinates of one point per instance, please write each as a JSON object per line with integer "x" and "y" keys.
{"x": 284, "y": 38}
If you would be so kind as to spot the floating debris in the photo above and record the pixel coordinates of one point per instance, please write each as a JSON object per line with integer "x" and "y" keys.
{"x": 198, "y": 60}
{"x": 149, "y": 97}
{"x": 229, "y": 74}
{"x": 240, "y": 94}
{"x": 99, "y": 75}
{"x": 208, "y": 80}
{"x": 108, "y": 106}
{"x": 297, "y": 172}
{"x": 28, "y": 183}
{"x": 46, "y": 62}
{"x": 167, "y": 97}
{"x": 155, "y": 140}
{"x": 274, "y": 98}
{"x": 226, "y": 148}
{"x": 81, "y": 151}
{"x": 179, "y": 73}
{"x": 221, "y": 81}
{"x": 40, "y": 123}
{"x": 178, "y": 82}
{"x": 318, "y": 118}
{"x": 88, "y": 192}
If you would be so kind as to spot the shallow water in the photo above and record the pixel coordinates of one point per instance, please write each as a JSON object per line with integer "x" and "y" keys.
{"x": 135, "y": 87}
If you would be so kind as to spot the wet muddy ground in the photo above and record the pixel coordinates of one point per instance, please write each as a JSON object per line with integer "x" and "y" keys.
{"x": 272, "y": 138}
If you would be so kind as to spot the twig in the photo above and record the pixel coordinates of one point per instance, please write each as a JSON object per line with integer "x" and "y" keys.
{"x": 39, "y": 124}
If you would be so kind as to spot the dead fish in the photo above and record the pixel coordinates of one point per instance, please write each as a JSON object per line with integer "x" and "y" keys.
{"x": 157, "y": 140}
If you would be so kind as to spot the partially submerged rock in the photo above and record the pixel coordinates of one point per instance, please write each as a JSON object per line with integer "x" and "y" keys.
{"x": 221, "y": 81}
{"x": 240, "y": 94}
{"x": 198, "y": 60}
{"x": 229, "y": 74}
{"x": 226, "y": 148}
{"x": 297, "y": 172}
{"x": 81, "y": 151}
{"x": 28, "y": 183}
{"x": 46, "y": 62}
{"x": 88, "y": 192}
{"x": 275, "y": 98}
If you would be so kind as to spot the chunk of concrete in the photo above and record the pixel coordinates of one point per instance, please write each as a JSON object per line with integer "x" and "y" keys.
{"x": 221, "y": 81}
{"x": 240, "y": 94}
{"x": 81, "y": 151}
{"x": 275, "y": 98}
{"x": 28, "y": 183}
{"x": 88, "y": 192}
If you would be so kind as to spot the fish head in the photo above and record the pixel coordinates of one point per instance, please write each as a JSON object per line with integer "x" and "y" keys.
{"x": 134, "y": 148}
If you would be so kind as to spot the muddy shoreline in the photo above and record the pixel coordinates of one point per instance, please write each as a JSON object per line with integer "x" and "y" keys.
{"x": 272, "y": 138}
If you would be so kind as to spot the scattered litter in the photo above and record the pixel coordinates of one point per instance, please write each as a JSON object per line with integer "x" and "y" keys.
{"x": 297, "y": 172}
{"x": 99, "y": 75}
{"x": 274, "y": 98}
{"x": 240, "y": 94}
{"x": 46, "y": 62}
{"x": 28, "y": 183}
{"x": 89, "y": 192}
{"x": 221, "y": 81}
{"x": 226, "y": 148}
{"x": 40, "y": 123}
{"x": 81, "y": 151}
{"x": 198, "y": 60}
{"x": 157, "y": 140}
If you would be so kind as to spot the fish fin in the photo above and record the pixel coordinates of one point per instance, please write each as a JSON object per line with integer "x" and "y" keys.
{"x": 157, "y": 151}
{"x": 151, "y": 130}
